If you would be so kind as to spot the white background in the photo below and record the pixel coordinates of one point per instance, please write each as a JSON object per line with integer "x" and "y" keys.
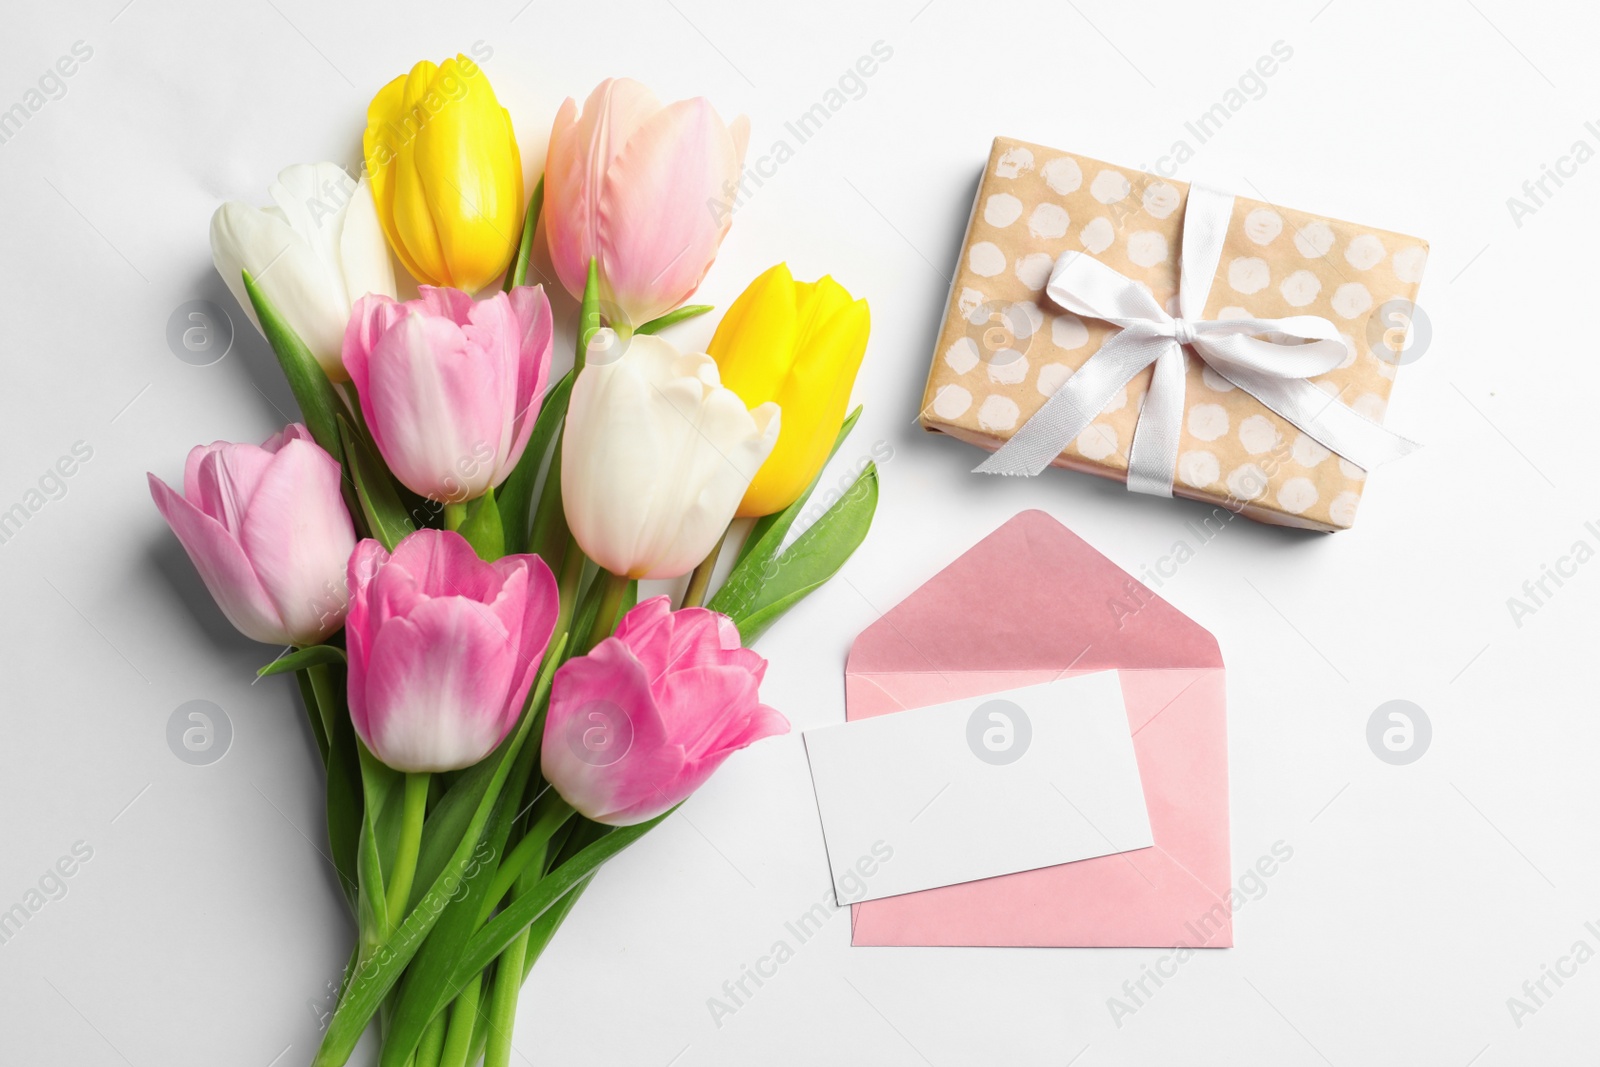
{"x": 1419, "y": 898}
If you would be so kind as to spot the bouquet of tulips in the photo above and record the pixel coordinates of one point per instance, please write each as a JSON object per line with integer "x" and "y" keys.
{"x": 450, "y": 547}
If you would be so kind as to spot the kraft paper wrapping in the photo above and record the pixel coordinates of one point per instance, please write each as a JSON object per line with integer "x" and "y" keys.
{"x": 1004, "y": 347}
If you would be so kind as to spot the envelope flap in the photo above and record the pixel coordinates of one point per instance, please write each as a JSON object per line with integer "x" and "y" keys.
{"x": 1032, "y": 596}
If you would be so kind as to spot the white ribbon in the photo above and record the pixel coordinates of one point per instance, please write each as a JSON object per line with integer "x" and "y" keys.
{"x": 1271, "y": 359}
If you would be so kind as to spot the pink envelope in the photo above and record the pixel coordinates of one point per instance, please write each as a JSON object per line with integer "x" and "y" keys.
{"x": 1029, "y": 603}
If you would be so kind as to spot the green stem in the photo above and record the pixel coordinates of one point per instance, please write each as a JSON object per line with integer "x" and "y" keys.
{"x": 588, "y": 314}
{"x": 611, "y": 597}
{"x": 572, "y": 561}
{"x": 428, "y": 1049}
{"x": 405, "y": 859}
{"x": 327, "y": 694}
{"x": 700, "y": 580}
{"x": 463, "y": 1016}
{"x": 533, "y": 847}
{"x": 503, "y": 1003}
{"x": 308, "y": 697}
{"x": 454, "y": 516}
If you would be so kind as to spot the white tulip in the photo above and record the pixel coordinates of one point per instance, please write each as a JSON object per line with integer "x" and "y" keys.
{"x": 315, "y": 252}
{"x": 656, "y": 455}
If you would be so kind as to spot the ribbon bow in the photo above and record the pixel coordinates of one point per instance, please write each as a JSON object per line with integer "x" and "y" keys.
{"x": 1271, "y": 359}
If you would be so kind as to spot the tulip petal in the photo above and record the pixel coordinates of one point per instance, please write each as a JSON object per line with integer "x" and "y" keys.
{"x": 386, "y": 134}
{"x": 656, "y": 457}
{"x": 755, "y": 343}
{"x": 360, "y": 623}
{"x": 436, "y": 408}
{"x": 582, "y": 147}
{"x": 647, "y": 629}
{"x": 657, "y": 238}
{"x": 221, "y": 478}
{"x": 529, "y": 607}
{"x": 223, "y": 567}
{"x": 435, "y": 686}
{"x": 288, "y": 271}
{"x": 607, "y": 690}
{"x": 706, "y": 709}
{"x": 443, "y": 562}
{"x": 370, "y": 319}
{"x": 467, "y": 162}
{"x": 415, "y": 228}
{"x": 536, "y": 325}
{"x": 299, "y": 537}
{"x": 815, "y": 397}
{"x": 363, "y": 252}
{"x": 451, "y": 304}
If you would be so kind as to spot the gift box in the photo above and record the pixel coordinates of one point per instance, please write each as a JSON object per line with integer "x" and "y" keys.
{"x": 1235, "y": 389}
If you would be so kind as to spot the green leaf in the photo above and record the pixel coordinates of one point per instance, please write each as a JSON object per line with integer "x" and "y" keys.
{"x": 816, "y": 555}
{"x": 671, "y": 318}
{"x": 319, "y": 404}
{"x": 549, "y": 537}
{"x": 518, "y": 272}
{"x": 382, "y": 968}
{"x": 516, "y": 492}
{"x": 300, "y": 658}
{"x": 386, "y": 516}
{"x": 581, "y": 833}
{"x": 545, "y": 926}
{"x": 503, "y": 928}
{"x": 379, "y": 784}
{"x": 753, "y": 565}
{"x": 346, "y": 807}
{"x": 482, "y": 528}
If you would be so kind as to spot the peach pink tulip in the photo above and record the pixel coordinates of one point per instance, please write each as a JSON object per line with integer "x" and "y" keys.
{"x": 643, "y": 188}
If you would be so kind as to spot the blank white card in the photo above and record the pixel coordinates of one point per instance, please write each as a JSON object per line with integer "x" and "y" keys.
{"x": 1009, "y": 781}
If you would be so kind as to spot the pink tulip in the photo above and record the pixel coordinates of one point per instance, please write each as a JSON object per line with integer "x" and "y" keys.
{"x": 450, "y": 388}
{"x": 641, "y": 722}
{"x": 443, "y": 647}
{"x": 268, "y": 532}
{"x": 647, "y": 190}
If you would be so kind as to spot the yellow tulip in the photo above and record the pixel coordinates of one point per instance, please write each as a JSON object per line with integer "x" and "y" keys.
{"x": 798, "y": 344}
{"x": 446, "y": 174}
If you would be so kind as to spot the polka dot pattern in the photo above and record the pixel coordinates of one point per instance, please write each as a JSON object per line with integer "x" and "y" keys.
{"x": 985, "y": 259}
{"x": 1263, "y": 225}
{"x": 1147, "y": 248}
{"x": 1198, "y": 469}
{"x": 998, "y": 413}
{"x": 1033, "y": 270}
{"x": 1048, "y": 221}
{"x": 1110, "y": 186}
{"x": 1002, "y": 209}
{"x": 1098, "y": 235}
{"x": 1300, "y": 288}
{"x": 1249, "y": 274}
{"x": 1036, "y": 203}
{"x": 1063, "y": 175}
